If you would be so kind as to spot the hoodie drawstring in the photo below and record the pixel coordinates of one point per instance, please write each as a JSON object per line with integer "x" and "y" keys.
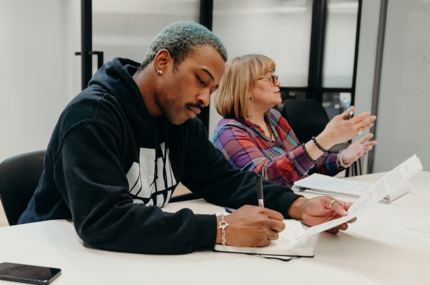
{"x": 164, "y": 162}
{"x": 164, "y": 158}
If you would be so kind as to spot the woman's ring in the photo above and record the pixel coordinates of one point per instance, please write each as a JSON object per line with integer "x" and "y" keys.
{"x": 360, "y": 131}
{"x": 329, "y": 205}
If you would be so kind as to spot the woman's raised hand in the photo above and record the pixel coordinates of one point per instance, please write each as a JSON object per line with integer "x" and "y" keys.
{"x": 357, "y": 149}
{"x": 339, "y": 130}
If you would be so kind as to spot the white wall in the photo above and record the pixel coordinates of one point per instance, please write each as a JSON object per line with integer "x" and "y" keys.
{"x": 403, "y": 117}
{"x": 34, "y": 73}
{"x": 403, "y": 123}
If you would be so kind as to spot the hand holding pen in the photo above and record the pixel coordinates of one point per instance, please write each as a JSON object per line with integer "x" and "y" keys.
{"x": 344, "y": 127}
{"x": 252, "y": 226}
{"x": 351, "y": 113}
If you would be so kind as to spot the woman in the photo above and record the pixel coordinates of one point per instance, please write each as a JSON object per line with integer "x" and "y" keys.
{"x": 255, "y": 137}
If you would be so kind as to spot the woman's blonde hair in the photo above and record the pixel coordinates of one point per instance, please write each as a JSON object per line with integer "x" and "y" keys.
{"x": 241, "y": 75}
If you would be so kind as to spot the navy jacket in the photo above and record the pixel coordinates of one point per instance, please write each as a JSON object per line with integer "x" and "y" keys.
{"x": 110, "y": 166}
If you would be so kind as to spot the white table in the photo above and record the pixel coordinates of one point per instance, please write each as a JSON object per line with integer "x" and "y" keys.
{"x": 365, "y": 254}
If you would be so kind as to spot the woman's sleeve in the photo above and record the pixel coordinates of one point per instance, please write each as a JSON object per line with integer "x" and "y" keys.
{"x": 326, "y": 164}
{"x": 241, "y": 151}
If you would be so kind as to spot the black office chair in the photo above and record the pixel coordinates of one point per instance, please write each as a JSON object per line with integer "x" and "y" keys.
{"x": 19, "y": 177}
{"x": 308, "y": 118}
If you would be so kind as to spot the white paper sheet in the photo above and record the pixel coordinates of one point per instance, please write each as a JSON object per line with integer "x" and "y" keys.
{"x": 419, "y": 228}
{"x": 397, "y": 202}
{"x": 375, "y": 193}
{"x": 333, "y": 185}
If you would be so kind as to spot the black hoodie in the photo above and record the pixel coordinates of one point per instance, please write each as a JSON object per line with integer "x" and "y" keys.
{"x": 110, "y": 166}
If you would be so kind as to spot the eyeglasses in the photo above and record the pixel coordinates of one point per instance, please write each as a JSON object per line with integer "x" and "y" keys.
{"x": 274, "y": 78}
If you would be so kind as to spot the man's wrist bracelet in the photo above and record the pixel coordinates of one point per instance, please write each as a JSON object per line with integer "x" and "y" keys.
{"x": 222, "y": 225}
{"x": 318, "y": 145}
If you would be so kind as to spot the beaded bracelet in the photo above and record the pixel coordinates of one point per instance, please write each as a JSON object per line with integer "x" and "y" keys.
{"x": 318, "y": 145}
{"x": 306, "y": 152}
{"x": 339, "y": 161}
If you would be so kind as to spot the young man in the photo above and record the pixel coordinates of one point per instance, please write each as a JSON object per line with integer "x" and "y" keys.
{"x": 121, "y": 146}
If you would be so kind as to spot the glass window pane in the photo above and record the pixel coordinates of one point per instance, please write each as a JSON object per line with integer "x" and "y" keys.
{"x": 340, "y": 43}
{"x": 336, "y": 103}
{"x": 126, "y": 28}
{"x": 279, "y": 29}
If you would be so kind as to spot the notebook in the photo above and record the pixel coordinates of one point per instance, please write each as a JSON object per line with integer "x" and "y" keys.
{"x": 286, "y": 245}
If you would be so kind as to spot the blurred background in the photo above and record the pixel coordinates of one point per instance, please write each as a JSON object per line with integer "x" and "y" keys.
{"x": 373, "y": 54}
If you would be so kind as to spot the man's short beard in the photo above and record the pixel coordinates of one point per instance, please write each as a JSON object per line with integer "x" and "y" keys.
{"x": 168, "y": 112}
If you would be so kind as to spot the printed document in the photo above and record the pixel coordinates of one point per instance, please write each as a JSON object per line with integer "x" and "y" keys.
{"x": 373, "y": 194}
{"x": 331, "y": 186}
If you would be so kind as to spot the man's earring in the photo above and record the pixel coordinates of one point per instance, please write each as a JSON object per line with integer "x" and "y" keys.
{"x": 159, "y": 72}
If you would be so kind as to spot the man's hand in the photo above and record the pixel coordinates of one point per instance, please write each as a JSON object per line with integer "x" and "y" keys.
{"x": 251, "y": 226}
{"x": 318, "y": 210}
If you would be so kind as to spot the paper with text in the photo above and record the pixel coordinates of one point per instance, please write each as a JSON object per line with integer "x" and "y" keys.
{"x": 375, "y": 193}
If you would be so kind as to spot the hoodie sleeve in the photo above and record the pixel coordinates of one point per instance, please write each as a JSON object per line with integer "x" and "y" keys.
{"x": 90, "y": 177}
{"x": 208, "y": 174}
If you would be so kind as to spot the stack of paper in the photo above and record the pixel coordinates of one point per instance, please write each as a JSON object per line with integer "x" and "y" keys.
{"x": 375, "y": 193}
{"x": 326, "y": 185}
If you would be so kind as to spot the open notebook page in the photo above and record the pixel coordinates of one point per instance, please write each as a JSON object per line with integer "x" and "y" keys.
{"x": 286, "y": 245}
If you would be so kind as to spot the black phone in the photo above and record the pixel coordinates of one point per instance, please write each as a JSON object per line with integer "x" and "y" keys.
{"x": 28, "y": 273}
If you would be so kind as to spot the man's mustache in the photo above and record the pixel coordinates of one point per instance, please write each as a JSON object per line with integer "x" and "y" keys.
{"x": 198, "y": 106}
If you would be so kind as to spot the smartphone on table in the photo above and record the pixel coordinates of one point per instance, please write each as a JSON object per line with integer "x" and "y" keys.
{"x": 28, "y": 273}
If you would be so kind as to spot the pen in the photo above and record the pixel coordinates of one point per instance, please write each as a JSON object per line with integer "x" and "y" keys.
{"x": 349, "y": 115}
{"x": 260, "y": 195}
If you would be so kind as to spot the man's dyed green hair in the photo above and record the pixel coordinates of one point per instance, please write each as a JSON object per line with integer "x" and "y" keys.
{"x": 181, "y": 39}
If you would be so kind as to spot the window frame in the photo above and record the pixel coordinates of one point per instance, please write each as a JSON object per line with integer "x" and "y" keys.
{"x": 315, "y": 90}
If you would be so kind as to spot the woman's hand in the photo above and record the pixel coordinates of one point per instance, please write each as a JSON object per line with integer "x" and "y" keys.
{"x": 339, "y": 130}
{"x": 357, "y": 149}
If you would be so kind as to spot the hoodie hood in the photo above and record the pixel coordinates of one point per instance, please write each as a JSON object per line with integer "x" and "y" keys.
{"x": 116, "y": 78}
{"x": 113, "y": 99}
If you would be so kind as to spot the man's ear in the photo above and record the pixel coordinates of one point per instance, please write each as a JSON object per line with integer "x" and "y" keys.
{"x": 161, "y": 60}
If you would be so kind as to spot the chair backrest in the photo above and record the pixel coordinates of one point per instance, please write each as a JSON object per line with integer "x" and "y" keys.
{"x": 19, "y": 177}
{"x": 306, "y": 117}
